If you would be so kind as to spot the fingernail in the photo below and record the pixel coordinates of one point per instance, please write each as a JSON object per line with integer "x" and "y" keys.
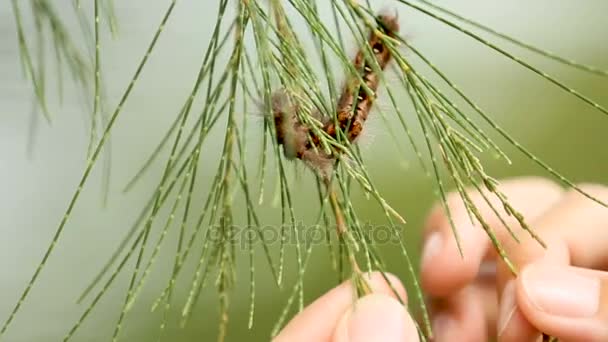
{"x": 374, "y": 318}
{"x": 507, "y": 306}
{"x": 561, "y": 291}
{"x": 442, "y": 326}
{"x": 432, "y": 247}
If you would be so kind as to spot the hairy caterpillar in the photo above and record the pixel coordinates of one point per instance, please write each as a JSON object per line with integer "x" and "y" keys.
{"x": 351, "y": 121}
{"x": 353, "y": 107}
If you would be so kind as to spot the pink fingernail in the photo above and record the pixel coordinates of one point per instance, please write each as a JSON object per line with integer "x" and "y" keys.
{"x": 561, "y": 291}
{"x": 432, "y": 247}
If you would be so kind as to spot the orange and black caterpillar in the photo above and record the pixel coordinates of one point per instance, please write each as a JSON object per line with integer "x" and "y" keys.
{"x": 354, "y": 94}
{"x": 353, "y": 107}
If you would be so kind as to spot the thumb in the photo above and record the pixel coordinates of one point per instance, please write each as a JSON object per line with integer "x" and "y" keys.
{"x": 376, "y": 317}
{"x": 566, "y": 302}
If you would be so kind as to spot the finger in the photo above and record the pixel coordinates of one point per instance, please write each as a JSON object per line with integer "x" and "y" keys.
{"x": 575, "y": 231}
{"x": 443, "y": 269}
{"x": 567, "y": 302}
{"x": 376, "y": 318}
{"x": 461, "y": 317}
{"x": 512, "y": 325}
{"x": 464, "y": 303}
{"x": 575, "y": 223}
{"x": 582, "y": 224}
{"x": 318, "y": 321}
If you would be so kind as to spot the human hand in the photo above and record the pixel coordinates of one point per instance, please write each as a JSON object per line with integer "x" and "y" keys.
{"x": 375, "y": 317}
{"x": 561, "y": 290}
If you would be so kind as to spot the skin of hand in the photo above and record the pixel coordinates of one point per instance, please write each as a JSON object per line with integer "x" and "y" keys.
{"x": 377, "y": 317}
{"x": 561, "y": 290}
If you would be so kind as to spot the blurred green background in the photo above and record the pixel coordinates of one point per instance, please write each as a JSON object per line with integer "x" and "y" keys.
{"x": 37, "y": 184}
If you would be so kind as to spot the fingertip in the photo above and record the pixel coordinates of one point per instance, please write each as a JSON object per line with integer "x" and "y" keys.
{"x": 376, "y": 317}
{"x": 462, "y": 318}
{"x": 565, "y": 301}
{"x": 517, "y": 328}
{"x": 443, "y": 269}
{"x": 511, "y": 324}
{"x": 447, "y": 271}
{"x": 446, "y": 328}
{"x": 387, "y": 283}
{"x": 325, "y": 312}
